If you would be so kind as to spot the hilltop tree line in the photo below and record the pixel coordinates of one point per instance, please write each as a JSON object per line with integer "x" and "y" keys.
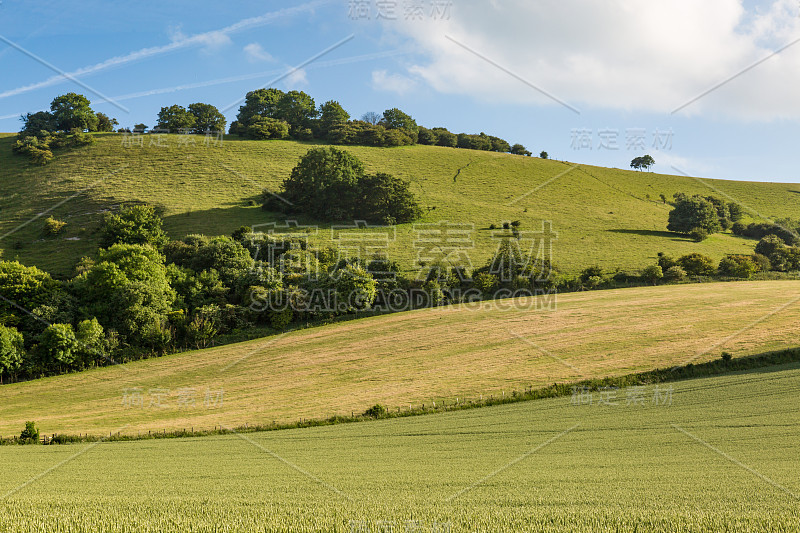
{"x": 265, "y": 114}
{"x": 274, "y": 114}
{"x": 61, "y": 127}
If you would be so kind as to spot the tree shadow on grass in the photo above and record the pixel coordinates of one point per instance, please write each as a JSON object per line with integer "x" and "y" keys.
{"x": 652, "y": 233}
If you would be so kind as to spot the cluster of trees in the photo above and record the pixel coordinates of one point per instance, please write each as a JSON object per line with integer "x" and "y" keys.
{"x": 274, "y": 114}
{"x": 198, "y": 118}
{"x": 144, "y": 294}
{"x": 67, "y": 112}
{"x": 759, "y": 230}
{"x": 700, "y": 216}
{"x": 39, "y": 148}
{"x": 669, "y": 269}
{"x": 265, "y": 114}
{"x": 63, "y": 126}
{"x": 331, "y": 184}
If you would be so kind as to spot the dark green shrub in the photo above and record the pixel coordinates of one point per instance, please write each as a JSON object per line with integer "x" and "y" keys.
{"x": 674, "y": 273}
{"x": 665, "y": 262}
{"x": 136, "y": 224}
{"x": 769, "y": 244}
{"x": 696, "y": 264}
{"x": 762, "y": 263}
{"x": 737, "y": 266}
{"x": 652, "y": 274}
{"x": 698, "y": 234}
{"x": 592, "y": 271}
{"x": 376, "y": 411}
{"x": 29, "y": 435}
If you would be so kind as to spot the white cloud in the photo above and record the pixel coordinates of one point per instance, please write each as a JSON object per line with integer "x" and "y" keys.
{"x": 255, "y": 53}
{"x": 618, "y": 54}
{"x": 383, "y": 81}
{"x": 296, "y": 78}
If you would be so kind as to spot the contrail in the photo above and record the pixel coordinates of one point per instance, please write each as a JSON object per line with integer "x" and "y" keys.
{"x": 144, "y": 53}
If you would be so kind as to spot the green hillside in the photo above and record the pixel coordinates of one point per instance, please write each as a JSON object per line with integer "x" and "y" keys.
{"x": 602, "y": 216}
{"x": 704, "y": 455}
{"x": 411, "y": 358}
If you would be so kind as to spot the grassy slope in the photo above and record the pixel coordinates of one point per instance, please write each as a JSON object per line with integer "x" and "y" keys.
{"x": 417, "y": 357}
{"x": 507, "y": 468}
{"x": 602, "y": 215}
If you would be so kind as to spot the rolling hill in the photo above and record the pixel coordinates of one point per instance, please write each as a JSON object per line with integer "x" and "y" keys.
{"x": 603, "y": 216}
{"x": 414, "y": 357}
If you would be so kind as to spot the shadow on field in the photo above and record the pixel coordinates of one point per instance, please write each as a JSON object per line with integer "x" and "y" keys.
{"x": 225, "y": 220}
{"x": 651, "y": 233}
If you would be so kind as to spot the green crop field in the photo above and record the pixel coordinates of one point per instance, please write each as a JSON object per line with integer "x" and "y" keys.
{"x": 603, "y": 216}
{"x": 413, "y": 358}
{"x": 704, "y": 455}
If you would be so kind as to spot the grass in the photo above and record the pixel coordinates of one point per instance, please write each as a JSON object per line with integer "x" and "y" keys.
{"x": 720, "y": 455}
{"x": 602, "y": 216}
{"x": 454, "y": 352}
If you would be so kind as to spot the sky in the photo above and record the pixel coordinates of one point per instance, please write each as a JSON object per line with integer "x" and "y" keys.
{"x": 707, "y": 88}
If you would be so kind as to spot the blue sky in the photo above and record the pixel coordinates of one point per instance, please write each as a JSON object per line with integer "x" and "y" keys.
{"x": 572, "y": 77}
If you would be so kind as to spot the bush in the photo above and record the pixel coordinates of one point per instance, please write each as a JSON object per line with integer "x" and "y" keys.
{"x": 37, "y": 150}
{"x": 726, "y": 357}
{"x": 674, "y": 273}
{"x": 652, "y": 274}
{"x": 758, "y": 230}
{"x": 29, "y": 435}
{"x": 592, "y": 271}
{"x": 737, "y": 266}
{"x": 376, "y": 411}
{"x": 267, "y": 128}
{"x": 698, "y": 234}
{"x": 592, "y": 282}
{"x": 137, "y": 224}
{"x": 665, "y": 262}
{"x": 769, "y": 244}
{"x": 485, "y": 282}
{"x": 53, "y": 227}
{"x": 762, "y": 263}
{"x": 696, "y": 264}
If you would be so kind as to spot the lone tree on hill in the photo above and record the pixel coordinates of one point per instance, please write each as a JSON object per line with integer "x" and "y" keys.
{"x": 643, "y": 162}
